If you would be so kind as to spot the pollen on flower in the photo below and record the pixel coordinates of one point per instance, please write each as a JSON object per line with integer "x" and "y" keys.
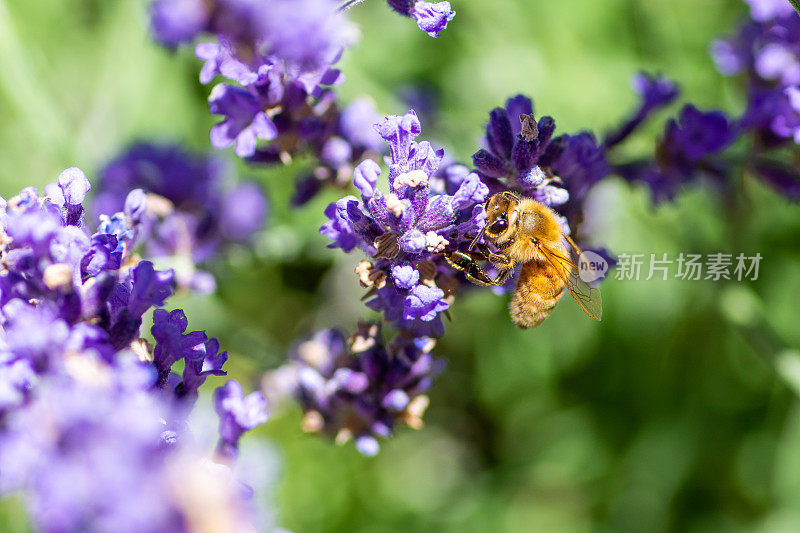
{"x": 394, "y": 204}
{"x": 435, "y": 243}
{"x": 313, "y": 422}
{"x": 364, "y": 339}
{"x": 412, "y": 415}
{"x": 312, "y": 352}
{"x": 142, "y": 349}
{"x": 369, "y": 276}
{"x": 413, "y": 178}
{"x": 159, "y": 206}
{"x": 57, "y": 275}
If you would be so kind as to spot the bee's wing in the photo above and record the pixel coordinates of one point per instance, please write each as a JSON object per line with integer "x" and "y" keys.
{"x": 588, "y": 298}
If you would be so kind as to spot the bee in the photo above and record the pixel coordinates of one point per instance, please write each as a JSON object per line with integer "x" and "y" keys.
{"x": 526, "y": 232}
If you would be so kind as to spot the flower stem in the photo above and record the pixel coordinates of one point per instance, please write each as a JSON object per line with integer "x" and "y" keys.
{"x": 352, "y": 3}
{"x": 796, "y": 5}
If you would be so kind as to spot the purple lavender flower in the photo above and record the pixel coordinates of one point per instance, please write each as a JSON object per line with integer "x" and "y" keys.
{"x": 762, "y": 10}
{"x": 180, "y": 205}
{"x": 89, "y": 457}
{"x": 174, "y": 22}
{"x": 686, "y": 151}
{"x": 407, "y": 228}
{"x": 432, "y": 18}
{"x": 306, "y": 34}
{"x": 655, "y": 92}
{"x": 767, "y": 50}
{"x": 244, "y": 121}
{"x": 237, "y": 415}
{"x": 522, "y": 154}
{"x": 362, "y": 389}
{"x": 93, "y": 426}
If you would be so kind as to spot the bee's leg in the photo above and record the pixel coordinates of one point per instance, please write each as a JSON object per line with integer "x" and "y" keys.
{"x": 500, "y": 261}
{"x": 473, "y": 271}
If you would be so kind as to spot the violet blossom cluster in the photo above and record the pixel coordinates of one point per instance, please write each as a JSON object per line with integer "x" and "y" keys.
{"x": 524, "y": 154}
{"x": 276, "y": 58}
{"x": 765, "y": 51}
{"x": 361, "y": 388}
{"x": 405, "y": 231}
{"x": 195, "y": 207}
{"x": 93, "y": 419}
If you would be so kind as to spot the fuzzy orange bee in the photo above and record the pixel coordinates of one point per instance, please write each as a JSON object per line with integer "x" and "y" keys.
{"x": 526, "y": 232}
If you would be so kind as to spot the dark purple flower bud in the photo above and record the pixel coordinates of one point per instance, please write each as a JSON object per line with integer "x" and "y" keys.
{"x": 488, "y": 164}
{"x": 524, "y": 154}
{"x": 401, "y": 6}
{"x": 516, "y": 106}
{"x": 499, "y": 133}
{"x": 172, "y": 344}
{"x": 199, "y": 364}
{"x": 150, "y": 287}
{"x": 782, "y": 177}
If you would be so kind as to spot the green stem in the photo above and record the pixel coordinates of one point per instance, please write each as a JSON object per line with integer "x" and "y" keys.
{"x": 352, "y": 3}
{"x": 796, "y": 4}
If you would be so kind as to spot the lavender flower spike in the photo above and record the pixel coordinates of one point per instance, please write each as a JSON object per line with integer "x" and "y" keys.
{"x": 361, "y": 388}
{"x": 406, "y": 230}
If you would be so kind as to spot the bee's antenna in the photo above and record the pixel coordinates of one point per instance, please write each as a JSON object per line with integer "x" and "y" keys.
{"x": 478, "y": 237}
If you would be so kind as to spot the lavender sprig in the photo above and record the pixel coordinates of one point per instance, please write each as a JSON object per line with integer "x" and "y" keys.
{"x": 361, "y": 388}
{"x": 405, "y": 231}
{"x": 92, "y": 420}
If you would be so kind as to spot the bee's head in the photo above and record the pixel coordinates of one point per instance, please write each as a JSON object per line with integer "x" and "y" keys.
{"x": 501, "y": 216}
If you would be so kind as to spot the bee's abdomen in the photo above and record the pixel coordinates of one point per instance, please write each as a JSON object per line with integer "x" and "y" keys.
{"x": 538, "y": 291}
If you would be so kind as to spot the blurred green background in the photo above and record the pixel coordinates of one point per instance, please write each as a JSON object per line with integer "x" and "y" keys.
{"x": 679, "y": 412}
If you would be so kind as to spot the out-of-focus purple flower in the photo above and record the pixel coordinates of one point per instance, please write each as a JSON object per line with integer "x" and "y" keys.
{"x": 178, "y": 200}
{"x": 362, "y": 389}
{"x": 685, "y": 152}
{"x": 767, "y": 50}
{"x": 244, "y": 121}
{"x": 655, "y": 92}
{"x": 237, "y": 415}
{"x": 782, "y": 177}
{"x": 407, "y": 227}
{"x": 432, "y": 18}
{"x": 174, "y": 22}
{"x": 89, "y": 457}
{"x": 87, "y": 431}
{"x": 763, "y": 10}
{"x": 306, "y": 34}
